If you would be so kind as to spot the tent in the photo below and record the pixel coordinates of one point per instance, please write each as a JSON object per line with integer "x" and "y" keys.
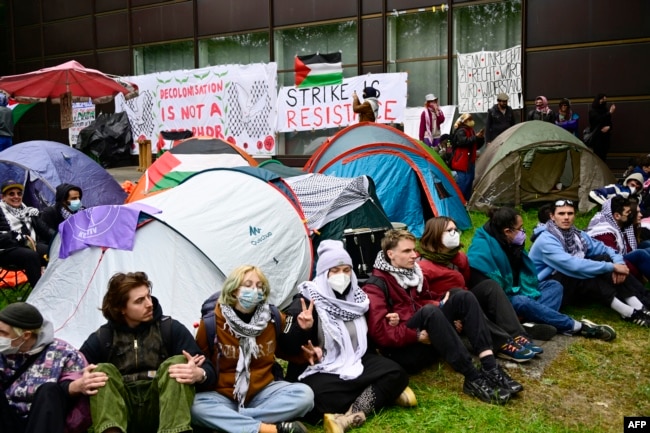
{"x": 412, "y": 185}
{"x": 238, "y": 216}
{"x": 186, "y": 158}
{"x": 43, "y": 165}
{"x": 280, "y": 169}
{"x": 71, "y": 290}
{"x": 536, "y": 162}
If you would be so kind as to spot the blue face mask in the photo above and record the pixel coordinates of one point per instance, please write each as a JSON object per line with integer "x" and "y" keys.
{"x": 250, "y": 297}
{"x": 74, "y": 205}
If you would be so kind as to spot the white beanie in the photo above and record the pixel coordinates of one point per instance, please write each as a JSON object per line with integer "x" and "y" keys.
{"x": 331, "y": 253}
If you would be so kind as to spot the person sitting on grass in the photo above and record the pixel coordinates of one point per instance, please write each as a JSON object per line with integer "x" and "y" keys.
{"x": 446, "y": 267}
{"x": 349, "y": 380}
{"x": 498, "y": 253}
{"x": 631, "y": 187}
{"x": 409, "y": 326}
{"x": 587, "y": 269}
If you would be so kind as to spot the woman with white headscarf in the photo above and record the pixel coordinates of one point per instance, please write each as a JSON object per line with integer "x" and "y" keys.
{"x": 349, "y": 381}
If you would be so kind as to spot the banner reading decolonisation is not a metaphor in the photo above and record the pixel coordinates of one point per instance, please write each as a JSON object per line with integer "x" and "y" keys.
{"x": 320, "y": 107}
{"x": 233, "y": 102}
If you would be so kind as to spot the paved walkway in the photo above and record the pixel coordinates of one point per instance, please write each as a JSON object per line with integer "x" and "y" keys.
{"x": 120, "y": 174}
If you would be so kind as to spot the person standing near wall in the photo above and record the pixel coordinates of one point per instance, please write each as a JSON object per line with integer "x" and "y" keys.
{"x": 600, "y": 125}
{"x": 430, "y": 121}
{"x": 500, "y": 117}
{"x": 369, "y": 109}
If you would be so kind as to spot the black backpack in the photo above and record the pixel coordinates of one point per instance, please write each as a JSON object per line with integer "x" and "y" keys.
{"x": 381, "y": 283}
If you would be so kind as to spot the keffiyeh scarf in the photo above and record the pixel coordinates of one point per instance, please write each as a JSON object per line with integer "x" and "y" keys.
{"x": 405, "y": 277}
{"x": 603, "y": 223}
{"x": 571, "y": 239}
{"x": 340, "y": 357}
{"x": 20, "y": 219}
{"x": 247, "y": 334}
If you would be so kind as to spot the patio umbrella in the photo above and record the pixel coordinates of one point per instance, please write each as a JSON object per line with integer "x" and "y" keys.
{"x": 67, "y": 78}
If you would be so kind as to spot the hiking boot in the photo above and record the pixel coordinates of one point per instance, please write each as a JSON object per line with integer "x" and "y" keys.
{"x": 525, "y": 342}
{"x": 482, "y": 389}
{"x": 539, "y": 331}
{"x": 499, "y": 378}
{"x": 638, "y": 317}
{"x": 340, "y": 423}
{"x": 291, "y": 427}
{"x": 406, "y": 398}
{"x": 515, "y": 352}
{"x": 593, "y": 330}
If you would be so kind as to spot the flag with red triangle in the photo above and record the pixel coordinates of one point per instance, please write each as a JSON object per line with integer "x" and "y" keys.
{"x": 318, "y": 70}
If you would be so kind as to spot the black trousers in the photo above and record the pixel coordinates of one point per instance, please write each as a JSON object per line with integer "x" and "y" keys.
{"x": 26, "y": 259}
{"x": 599, "y": 289}
{"x": 47, "y": 414}
{"x": 502, "y": 318}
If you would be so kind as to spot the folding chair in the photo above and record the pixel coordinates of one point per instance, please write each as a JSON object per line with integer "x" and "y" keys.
{"x": 14, "y": 286}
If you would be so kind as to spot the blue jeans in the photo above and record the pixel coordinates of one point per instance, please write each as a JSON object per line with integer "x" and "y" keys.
{"x": 464, "y": 180}
{"x": 278, "y": 401}
{"x": 544, "y": 309}
{"x": 640, "y": 258}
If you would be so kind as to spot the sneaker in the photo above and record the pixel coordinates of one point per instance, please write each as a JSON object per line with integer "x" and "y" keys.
{"x": 593, "y": 330}
{"x": 515, "y": 352}
{"x": 291, "y": 427}
{"x": 523, "y": 341}
{"x": 498, "y": 377}
{"x": 407, "y": 398}
{"x": 539, "y": 331}
{"x": 638, "y": 317}
{"x": 482, "y": 389}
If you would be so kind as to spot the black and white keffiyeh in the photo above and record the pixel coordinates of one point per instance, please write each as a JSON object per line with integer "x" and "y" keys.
{"x": 20, "y": 219}
{"x": 405, "y": 277}
{"x": 340, "y": 356}
{"x": 571, "y": 239}
{"x": 247, "y": 334}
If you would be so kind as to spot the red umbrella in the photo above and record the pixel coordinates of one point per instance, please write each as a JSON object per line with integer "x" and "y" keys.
{"x": 52, "y": 83}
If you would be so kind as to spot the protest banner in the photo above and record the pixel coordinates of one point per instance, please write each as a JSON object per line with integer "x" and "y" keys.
{"x": 233, "y": 102}
{"x": 485, "y": 74}
{"x": 321, "y": 107}
{"x": 83, "y": 114}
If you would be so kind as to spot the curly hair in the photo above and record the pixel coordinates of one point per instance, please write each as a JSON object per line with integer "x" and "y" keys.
{"x": 117, "y": 295}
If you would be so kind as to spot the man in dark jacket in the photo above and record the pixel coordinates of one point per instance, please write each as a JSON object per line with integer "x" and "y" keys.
{"x": 408, "y": 326}
{"x": 143, "y": 365}
{"x": 67, "y": 202}
{"x": 500, "y": 117}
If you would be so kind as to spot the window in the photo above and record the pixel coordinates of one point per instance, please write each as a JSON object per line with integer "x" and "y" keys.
{"x": 163, "y": 57}
{"x": 235, "y": 50}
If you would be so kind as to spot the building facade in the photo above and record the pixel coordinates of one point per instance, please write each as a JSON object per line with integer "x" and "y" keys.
{"x": 570, "y": 48}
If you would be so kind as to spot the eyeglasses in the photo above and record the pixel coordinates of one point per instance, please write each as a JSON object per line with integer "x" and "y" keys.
{"x": 14, "y": 193}
{"x": 453, "y": 231}
{"x": 564, "y": 203}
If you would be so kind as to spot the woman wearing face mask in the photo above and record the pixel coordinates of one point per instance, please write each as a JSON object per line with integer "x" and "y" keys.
{"x": 463, "y": 161}
{"x": 67, "y": 202}
{"x": 497, "y": 254}
{"x": 248, "y": 397}
{"x": 349, "y": 381}
{"x": 446, "y": 267}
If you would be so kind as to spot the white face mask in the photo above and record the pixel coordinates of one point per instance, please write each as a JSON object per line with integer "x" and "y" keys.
{"x": 451, "y": 241}
{"x": 6, "y": 348}
{"x": 339, "y": 282}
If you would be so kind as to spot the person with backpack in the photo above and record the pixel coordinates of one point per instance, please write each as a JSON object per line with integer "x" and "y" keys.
{"x": 350, "y": 381}
{"x": 144, "y": 366}
{"x": 465, "y": 143}
{"x": 409, "y": 326}
{"x": 250, "y": 395}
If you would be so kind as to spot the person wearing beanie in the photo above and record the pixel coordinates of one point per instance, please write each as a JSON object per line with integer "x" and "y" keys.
{"x": 350, "y": 381}
{"x": 6, "y": 123}
{"x": 632, "y": 187}
{"x": 368, "y": 111}
{"x": 500, "y": 117}
{"x": 42, "y": 377}
{"x": 463, "y": 161}
{"x": 541, "y": 111}
{"x": 566, "y": 118}
{"x": 410, "y": 326}
{"x": 430, "y": 121}
{"x": 67, "y": 203}
{"x": 24, "y": 238}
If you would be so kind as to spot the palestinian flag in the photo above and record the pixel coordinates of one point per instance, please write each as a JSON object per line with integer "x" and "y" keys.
{"x": 318, "y": 70}
{"x": 17, "y": 109}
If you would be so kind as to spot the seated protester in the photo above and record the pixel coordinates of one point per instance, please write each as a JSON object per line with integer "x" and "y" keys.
{"x": 446, "y": 267}
{"x": 632, "y": 186}
{"x": 40, "y": 376}
{"x": 143, "y": 365}
{"x": 408, "y": 326}
{"x": 543, "y": 215}
{"x": 67, "y": 202}
{"x": 247, "y": 396}
{"x": 497, "y": 252}
{"x": 643, "y": 168}
{"x": 23, "y": 236}
{"x": 587, "y": 269}
{"x": 349, "y": 381}
{"x": 614, "y": 226}
{"x": 566, "y": 118}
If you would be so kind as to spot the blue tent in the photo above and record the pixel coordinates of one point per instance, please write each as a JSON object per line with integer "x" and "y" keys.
{"x": 43, "y": 165}
{"x": 411, "y": 185}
